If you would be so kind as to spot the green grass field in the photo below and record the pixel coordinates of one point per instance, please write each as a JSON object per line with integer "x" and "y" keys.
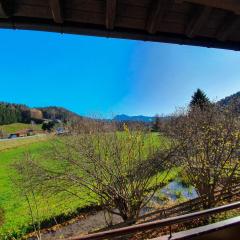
{"x": 16, "y": 209}
{"x": 11, "y": 128}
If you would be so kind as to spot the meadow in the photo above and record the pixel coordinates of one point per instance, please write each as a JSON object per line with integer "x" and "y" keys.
{"x": 21, "y": 142}
{"x": 14, "y": 127}
{"x": 16, "y": 210}
{"x": 18, "y": 219}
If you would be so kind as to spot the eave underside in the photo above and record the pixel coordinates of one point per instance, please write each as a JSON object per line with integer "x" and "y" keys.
{"x": 190, "y": 22}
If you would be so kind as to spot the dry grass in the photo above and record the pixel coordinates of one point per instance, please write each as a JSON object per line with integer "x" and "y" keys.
{"x": 18, "y": 142}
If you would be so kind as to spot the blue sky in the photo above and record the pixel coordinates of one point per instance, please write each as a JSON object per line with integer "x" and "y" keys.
{"x": 104, "y": 77}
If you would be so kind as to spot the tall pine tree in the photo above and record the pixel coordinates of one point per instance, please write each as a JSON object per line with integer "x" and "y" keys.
{"x": 156, "y": 124}
{"x": 199, "y": 99}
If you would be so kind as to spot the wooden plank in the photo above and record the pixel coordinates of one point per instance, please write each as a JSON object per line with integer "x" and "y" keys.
{"x": 3, "y": 13}
{"x": 157, "y": 13}
{"x": 229, "y": 27}
{"x": 5, "y": 8}
{"x": 83, "y": 29}
{"x": 42, "y": 3}
{"x": 131, "y": 11}
{"x": 140, "y": 3}
{"x": 130, "y": 23}
{"x": 83, "y": 5}
{"x": 33, "y": 11}
{"x": 169, "y": 27}
{"x": 198, "y": 21}
{"x": 111, "y": 9}
{"x": 229, "y": 5}
{"x": 76, "y": 16}
{"x": 56, "y": 9}
{"x": 176, "y": 17}
{"x": 229, "y": 226}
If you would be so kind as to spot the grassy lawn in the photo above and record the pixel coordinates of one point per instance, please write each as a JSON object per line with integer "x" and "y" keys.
{"x": 11, "y": 128}
{"x": 17, "y": 217}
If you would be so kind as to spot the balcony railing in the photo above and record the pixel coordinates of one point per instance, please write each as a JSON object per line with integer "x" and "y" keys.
{"x": 157, "y": 224}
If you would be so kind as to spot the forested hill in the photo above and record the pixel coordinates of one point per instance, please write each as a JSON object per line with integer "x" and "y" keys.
{"x": 11, "y": 113}
{"x": 61, "y": 113}
{"x": 230, "y": 99}
{"x": 14, "y": 113}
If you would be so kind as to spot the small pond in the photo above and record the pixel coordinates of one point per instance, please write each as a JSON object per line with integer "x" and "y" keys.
{"x": 173, "y": 191}
{"x": 176, "y": 189}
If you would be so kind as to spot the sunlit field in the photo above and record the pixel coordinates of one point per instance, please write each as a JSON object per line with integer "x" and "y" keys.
{"x": 14, "y": 127}
{"x": 18, "y": 142}
{"x": 17, "y": 217}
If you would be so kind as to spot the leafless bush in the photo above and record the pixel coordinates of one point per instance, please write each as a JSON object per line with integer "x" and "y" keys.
{"x": 208, "y": 148}
{"x": 119, "y": 168}
{"x": 27, "y": 183}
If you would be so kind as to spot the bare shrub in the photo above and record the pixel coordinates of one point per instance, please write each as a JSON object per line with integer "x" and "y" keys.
{"x": 208, "y": 149}
{"x": 120, "y": 169}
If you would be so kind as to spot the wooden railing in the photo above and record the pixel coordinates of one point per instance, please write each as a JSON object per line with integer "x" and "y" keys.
{"x": 195, "y": 204}
{"x": 157, "y": 224}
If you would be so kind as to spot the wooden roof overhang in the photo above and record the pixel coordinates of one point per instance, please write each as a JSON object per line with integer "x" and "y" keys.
{"x": 209, "y": 23}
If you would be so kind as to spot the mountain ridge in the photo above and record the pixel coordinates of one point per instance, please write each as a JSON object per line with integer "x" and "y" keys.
{"x": 11, "y": 112}
{"x": 138, "y": 118}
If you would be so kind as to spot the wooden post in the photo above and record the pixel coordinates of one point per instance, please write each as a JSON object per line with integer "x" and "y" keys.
{"x": 56, "y": 9}
{"x": 111, "y": 9}
{"x": 157, "y": 13}
{"x": 198, "y": 21}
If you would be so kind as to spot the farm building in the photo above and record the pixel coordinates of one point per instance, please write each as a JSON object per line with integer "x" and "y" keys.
{"x": 24, "y": 133}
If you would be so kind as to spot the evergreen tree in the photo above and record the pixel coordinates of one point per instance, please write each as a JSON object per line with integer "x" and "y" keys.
{"x": 199, "y": 99}
{"x": 48, "y": 126}
{"x": 12, "y": 113}
{"x": 156, "y": 124}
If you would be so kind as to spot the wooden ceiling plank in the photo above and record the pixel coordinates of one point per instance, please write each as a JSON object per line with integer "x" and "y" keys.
{"x": 111, "y": 12}
{"x": 228, "y": 28}
{"x": 157, "y": 13}
{"x": 229, "y": 5}
{"x": 4, "y": 13}
{"x": 56, "y": 9}
{"x": 198, "y": 21}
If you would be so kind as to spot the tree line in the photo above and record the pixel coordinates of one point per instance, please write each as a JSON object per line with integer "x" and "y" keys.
{"x": 12, "y": 113}
{"x": 199, "y": 99}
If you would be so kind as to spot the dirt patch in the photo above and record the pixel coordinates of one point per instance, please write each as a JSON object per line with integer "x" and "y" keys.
{"x": 81, "y": 226}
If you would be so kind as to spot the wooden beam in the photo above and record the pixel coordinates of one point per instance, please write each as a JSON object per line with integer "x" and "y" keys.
{"x": 56, "y": 9}
{"x": 5, "y": 8}
{"x": 198, "y": 21}
{"x": 229, "y": 5}
{"x": 229, "y": 27}
{"x": 37, "y": 24}
{"x": 157, "y": 13}
{"x": 111, "y": 12}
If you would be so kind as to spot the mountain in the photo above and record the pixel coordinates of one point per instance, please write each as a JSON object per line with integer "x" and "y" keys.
{"x": 126, "y": 118}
